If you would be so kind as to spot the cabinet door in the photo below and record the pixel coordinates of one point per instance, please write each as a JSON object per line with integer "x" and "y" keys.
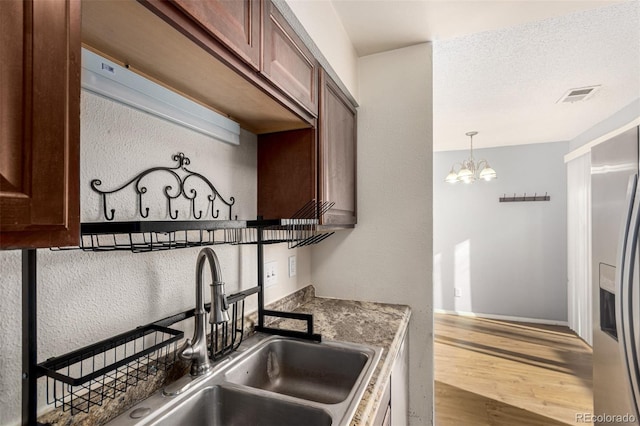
{"x": 337, "y": 143}
{"x": 383, "y": 415}
{"x": 387, "y": 417}
{"x": 287, "y": 62}
{"x": 236, "y": 23}
{"x": 39, "y": 123}
{"x": 400, "y": 385}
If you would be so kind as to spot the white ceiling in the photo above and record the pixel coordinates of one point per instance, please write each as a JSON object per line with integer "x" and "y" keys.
{"x": 500, "y": 66}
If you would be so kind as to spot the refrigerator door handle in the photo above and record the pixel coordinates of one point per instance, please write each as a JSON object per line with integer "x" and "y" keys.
{"x": 624, "y": 232}
{"x": 625, "y": 291}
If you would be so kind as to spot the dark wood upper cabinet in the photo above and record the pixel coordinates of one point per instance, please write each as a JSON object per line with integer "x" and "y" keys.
{"x": 286, "y": 60}
{"x": 39, "y": 123}
{"x": 175, "y": 43}
{"x": 298, "y": 166}
{"x": 337, "y": 135}
{"x": 236, "y": 23}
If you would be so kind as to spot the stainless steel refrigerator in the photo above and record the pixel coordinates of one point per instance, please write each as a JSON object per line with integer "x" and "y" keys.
{"x": 615, "y": 200}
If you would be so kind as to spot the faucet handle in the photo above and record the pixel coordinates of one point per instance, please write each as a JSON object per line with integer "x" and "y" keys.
{"x": 219, "y": 303}
{"x": 225, "y": 302}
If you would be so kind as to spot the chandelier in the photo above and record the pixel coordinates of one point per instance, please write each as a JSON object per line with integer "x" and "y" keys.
{"x": 470, "y": 171}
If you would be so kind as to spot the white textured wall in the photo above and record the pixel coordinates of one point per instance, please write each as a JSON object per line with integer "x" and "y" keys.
{"x": 86, "y": 297}
{"x": 321, "y": 21}
{"x": 506, "y": 258}
{"x": 388, "y": 256}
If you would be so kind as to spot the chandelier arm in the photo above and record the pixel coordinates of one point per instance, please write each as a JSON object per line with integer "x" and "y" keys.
{"x": 459, "y": 165}
{"x": 470, "y": 164}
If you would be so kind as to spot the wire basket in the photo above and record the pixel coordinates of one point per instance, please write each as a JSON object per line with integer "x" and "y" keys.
{"x": 153, "y": 241}
{"x": 88, "y": 376}
{"x": 145, "y": 236}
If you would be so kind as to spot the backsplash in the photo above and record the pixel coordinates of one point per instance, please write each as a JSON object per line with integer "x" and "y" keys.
{"x": 86, "y": 297}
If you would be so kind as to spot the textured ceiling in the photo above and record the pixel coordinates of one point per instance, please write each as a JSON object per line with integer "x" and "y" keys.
{"x": 379, "y": 25}
{"x": 500, "y": 66}
{"x": 505, "y": 83}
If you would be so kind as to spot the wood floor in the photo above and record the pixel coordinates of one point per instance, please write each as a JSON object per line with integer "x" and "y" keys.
{"x": 498, "y": 373}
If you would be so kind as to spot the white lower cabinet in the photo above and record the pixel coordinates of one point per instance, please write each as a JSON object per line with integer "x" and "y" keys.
{"x": 394, "y": 405}
{"x": 383, "y": 415}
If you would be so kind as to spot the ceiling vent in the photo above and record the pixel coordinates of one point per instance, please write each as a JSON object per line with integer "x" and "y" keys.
{"x": 579, "y": 94}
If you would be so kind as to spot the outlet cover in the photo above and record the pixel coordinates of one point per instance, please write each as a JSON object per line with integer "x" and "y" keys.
{"x": 457, "y": 292}
{"x": 293, "y": 266}
{"x": 270, "y": 275}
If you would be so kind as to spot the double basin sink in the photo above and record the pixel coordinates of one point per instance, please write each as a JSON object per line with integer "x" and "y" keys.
{"x": 269, "y": 381}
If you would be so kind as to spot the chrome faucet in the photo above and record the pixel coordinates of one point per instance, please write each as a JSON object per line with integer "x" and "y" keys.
{"x": 196, "y": 349}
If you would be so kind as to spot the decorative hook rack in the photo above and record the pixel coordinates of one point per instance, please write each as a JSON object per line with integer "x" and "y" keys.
{"x": 535, "y": 197}
{"x": 169, "y": 192}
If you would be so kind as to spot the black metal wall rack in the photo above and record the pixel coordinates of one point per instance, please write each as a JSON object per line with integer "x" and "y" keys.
{"x": 145, "y": 236}
{"x": 87, "y": 376}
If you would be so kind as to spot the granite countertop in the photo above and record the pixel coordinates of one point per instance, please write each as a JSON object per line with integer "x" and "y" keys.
{"x": 375, "y": 324}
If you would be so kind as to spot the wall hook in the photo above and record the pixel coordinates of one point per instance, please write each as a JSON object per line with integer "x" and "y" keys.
{"x": 181, "y": 174}
{"x": 525, "y": 197}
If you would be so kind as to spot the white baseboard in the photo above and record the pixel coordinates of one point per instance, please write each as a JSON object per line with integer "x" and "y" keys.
{"x": 503, "y": 317}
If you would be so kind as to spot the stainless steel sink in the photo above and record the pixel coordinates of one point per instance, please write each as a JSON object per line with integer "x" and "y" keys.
{"x": 306, "y": 370}
{"x": 224, "y": 406}
{"x": 269, "y": 381}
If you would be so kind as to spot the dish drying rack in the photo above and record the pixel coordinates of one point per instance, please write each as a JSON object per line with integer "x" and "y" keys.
{"x": 91, "y": 375}
{"x": 146, "y": 236}
{"x": 300, "y": 230}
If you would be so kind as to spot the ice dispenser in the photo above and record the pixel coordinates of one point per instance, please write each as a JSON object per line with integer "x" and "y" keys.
{"x": 608, "y": 300}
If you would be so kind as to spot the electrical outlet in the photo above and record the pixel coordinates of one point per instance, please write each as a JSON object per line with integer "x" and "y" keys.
{"x": 270, "y": 276}
{"x": 292, "y": 266}
{"x": 457, "y": 292}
